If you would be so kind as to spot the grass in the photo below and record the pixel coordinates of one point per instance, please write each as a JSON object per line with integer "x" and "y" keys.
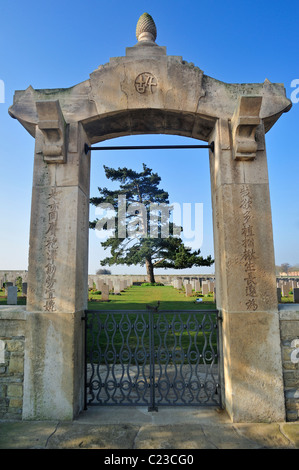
{"x": 138, "y": 297}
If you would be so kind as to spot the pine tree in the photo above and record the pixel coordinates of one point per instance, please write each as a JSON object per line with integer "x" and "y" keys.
{"x": 142, "y": 238}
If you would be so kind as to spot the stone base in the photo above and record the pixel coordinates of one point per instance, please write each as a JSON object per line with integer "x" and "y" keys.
{"x": 54, "y": 366}
{"x": 252, "y": 367}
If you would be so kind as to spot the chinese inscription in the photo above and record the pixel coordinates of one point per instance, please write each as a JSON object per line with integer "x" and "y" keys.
{"x": 249, "y": 255}
{"x": 51, "y": 250}
{"x": 145, "y": 82}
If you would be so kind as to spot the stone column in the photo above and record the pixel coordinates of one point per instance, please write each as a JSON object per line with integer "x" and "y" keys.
{"x": 57, "y": 274}
{"x": 245, "y": 268}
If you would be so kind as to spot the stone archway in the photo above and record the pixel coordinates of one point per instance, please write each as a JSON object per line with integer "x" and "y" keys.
{"x": 147, "y": 92}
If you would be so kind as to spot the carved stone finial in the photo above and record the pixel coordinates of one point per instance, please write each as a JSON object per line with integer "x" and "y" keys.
{"x": 146, "y": 29}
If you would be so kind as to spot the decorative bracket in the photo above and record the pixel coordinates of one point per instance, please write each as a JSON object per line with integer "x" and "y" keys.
{"x": 53, "y": 126}
{"x": 244, "y": 124}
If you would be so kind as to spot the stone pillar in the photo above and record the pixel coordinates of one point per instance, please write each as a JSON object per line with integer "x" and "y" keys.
{"x": 57, "y": 274}
{"x": 245, "y": 268}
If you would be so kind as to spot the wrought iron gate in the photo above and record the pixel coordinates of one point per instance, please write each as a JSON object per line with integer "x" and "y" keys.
{"x": 152, "y": 358}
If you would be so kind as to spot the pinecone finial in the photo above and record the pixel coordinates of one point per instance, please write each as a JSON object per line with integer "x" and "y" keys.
{"x": 146, "y": 29}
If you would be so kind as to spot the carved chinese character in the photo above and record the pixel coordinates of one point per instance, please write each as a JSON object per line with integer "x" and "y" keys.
{"x": 251, "y": 305}
{"x": 144, "y": 82}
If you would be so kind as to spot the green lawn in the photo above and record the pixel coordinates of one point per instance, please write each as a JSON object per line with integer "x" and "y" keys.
{"x": 138, "y": 297}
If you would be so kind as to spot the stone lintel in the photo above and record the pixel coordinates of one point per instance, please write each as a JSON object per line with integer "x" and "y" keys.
{"x": 114, "y": 91}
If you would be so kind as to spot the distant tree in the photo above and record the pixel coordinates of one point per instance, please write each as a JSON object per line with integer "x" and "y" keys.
{"x": 103, "y": 271}
{"x": 134, "y": 243}
{"x": 19, "y": 282}
{"x": 285, "y": 268}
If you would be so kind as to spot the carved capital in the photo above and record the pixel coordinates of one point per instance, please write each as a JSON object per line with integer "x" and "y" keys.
{"x": 53, "y": 126}
{"x": 244, "y": 122}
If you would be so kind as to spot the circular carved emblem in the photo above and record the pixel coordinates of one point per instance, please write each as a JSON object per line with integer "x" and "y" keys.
{"x": 145, "y": 83}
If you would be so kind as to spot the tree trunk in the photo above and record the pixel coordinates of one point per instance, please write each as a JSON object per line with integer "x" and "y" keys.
{"x": 149, "y": 270}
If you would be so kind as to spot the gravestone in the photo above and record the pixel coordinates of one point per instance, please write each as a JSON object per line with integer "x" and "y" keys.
{"x": 105, "y": 292}
{"x": 288, "y": 285}
{"x": 12, "y": 293}
{"x": 177, "y": 284}
{"x": 285, "y": 289}
{"x": 116, "y": 287}
{"x": 279, "y": 294}
{"x": 197, "y": 286}
{"x": 99, "y": 284}
{"x": 7, "y": 285}
{"x": 188, "y": 289}
{"x": 211, "y": 286}
{"x": 296, "y": 295}
{"x": 24, "y": 288}
{"x": 205, "y": 288}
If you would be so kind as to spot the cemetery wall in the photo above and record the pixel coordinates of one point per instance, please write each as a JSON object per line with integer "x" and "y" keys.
{"x": 11, "y": 275}
{"x": 289, "y": 330}
{"x": 12, "y": 343}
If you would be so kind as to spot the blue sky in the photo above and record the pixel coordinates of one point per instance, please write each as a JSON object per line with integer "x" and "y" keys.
{"x": 58, "y": 44}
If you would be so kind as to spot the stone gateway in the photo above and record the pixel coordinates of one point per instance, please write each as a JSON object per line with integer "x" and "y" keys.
{"x": 150, "y": 92}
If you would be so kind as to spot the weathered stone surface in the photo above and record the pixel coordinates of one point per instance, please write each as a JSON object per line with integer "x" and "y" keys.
{"x": 57, "y": 389}
{"x": 183, "y": 429}
{"x": 68, "y": 436}
{"x": 253, "y": 372}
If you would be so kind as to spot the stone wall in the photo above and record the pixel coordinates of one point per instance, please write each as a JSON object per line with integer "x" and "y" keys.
{"x": 289, "y": 330}
{"x": 12, "y": 342}
{"x": 165, "y": 279}
{"x": 11, "y": 275}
